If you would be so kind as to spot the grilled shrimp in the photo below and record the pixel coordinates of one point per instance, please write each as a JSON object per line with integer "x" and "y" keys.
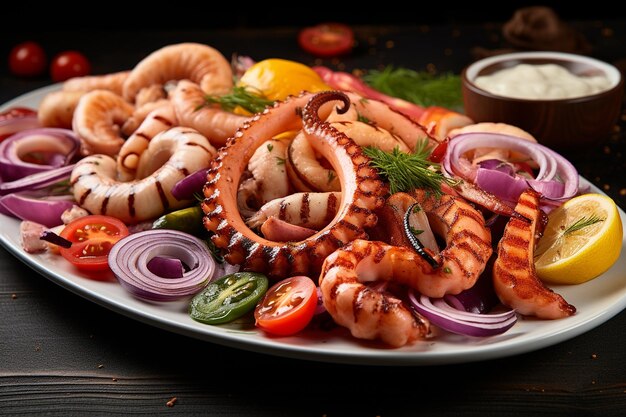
{"x": 311, "y": 175}
{"x": 150, "y": 94}
{"x": 514, "y": 276}
{"x": 193, "y": 61}
{"x": 96, "y": 122}
{"x": 57, "y": 108}
{"x": 112, "y": 82}
{"x": 311, "y": 210}
{"x": 439, "y": 121}
{"x": 369, "y": 314}
{"x": 214, "y": 123}
{"x": 159, "y": 120}
{"x": 139, "y": 115}
{"x": 269, "y": 179}
{"x": 366, "y": 312}
{"x": 170, "y": 157}
{"x": 399, "y": 125}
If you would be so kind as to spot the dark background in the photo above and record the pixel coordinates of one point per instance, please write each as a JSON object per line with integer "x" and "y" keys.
{"x": 63, "y": 355}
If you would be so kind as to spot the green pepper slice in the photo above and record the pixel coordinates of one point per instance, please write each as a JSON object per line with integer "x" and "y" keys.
{"x": 228, "y": 298}
{"x": 188, "y": 220}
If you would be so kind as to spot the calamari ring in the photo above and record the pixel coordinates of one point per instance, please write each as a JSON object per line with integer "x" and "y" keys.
{"x": 362, "y": 190}
{"x": 170, "y": 157}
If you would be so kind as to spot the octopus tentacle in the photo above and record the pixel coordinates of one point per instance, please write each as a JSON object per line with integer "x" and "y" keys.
{"x": 362, "y": 191}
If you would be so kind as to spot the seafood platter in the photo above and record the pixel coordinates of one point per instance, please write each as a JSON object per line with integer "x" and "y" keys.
{"x": 298, "y": 211}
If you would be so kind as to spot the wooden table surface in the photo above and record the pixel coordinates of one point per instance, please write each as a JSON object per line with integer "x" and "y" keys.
{"x": 63, "y": 355}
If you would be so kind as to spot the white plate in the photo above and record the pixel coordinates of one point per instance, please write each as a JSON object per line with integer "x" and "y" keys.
{"x": 597, "y": 301}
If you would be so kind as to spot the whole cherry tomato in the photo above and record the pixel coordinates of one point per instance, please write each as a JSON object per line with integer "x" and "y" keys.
{"x": 327, "y": 39}
{"x": 69, "y": 64}
{"x": 27, "y": 59}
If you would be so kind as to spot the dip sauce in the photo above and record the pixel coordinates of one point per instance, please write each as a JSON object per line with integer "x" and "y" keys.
{"x": 541, "y": 82}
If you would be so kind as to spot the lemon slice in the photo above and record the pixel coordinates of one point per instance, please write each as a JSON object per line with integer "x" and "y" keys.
{"x": 582, "y": 240}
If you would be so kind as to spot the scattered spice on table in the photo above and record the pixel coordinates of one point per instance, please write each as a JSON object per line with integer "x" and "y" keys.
{"x": 171, "y": 402}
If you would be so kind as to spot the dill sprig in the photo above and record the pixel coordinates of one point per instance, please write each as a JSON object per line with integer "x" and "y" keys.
{"x": 421, "y": 87}
{"x": 582, "y": 223}
{"x": 253, "y": 102}
{"x": 408, "y": 171}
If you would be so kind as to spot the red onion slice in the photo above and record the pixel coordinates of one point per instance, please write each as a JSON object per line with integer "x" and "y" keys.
{"x": 46, "y": 211}
{"x": 10, "y": 126}
{"x": 166, "y": 267}
{"x": 554, "y": 169}
{"x": 36, "y": 181}
{"x": 462, "y": 322}
{"x": 130, "y": 256}
{"x": 60, "y": 145}
{"x": 188, "y": 186}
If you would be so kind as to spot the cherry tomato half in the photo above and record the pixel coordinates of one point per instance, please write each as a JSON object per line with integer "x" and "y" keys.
{"x": 27, "y": 59}
{"x": 92, "y": 238}
{"x": 327, "y": 39}
{"x": 287, "y": 307}
{"x": 69, "y": 64}
{"x": 17, "y": 113}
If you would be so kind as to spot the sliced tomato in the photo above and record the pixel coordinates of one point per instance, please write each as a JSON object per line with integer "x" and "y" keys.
{"x": 327, "y": 39}
{"x": 92, "y": 238}
{"x": 17, "y": 113}
{"x": 287, "y": 307}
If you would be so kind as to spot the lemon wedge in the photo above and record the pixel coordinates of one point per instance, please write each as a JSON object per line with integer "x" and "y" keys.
{"x": 278, "y": 78}
{"x": 582, "y": 240}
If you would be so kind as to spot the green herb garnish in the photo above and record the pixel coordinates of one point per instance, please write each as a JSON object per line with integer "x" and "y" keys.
{"x": 416, "y": 232}
{"x": 331, "y": 176}
{"x": 408, "y": 171}
{"x": 582, "y": 223}
{"x": 421, "y": 88}
{"x": 254, "y": 102}
{"x": 280, "y": 161}
{"x": 362, "y": 118}
{"x": 270, "y": 147}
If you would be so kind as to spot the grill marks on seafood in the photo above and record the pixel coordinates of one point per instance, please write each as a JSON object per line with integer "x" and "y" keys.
{"x": 366, "y": 312}
{"x": 514, "y": 277}
{"x": 311, "y": 210}
{"x": 170, "y": 156}
{"x": 157, "y": 121}
{"x": 370, "y": 314}
{"x": 362, "y": 191}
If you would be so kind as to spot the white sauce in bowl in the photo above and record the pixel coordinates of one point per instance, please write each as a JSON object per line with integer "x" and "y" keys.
{"x": 546, "y": 82}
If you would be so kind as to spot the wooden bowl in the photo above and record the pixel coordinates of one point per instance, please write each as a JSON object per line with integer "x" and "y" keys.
{"x": 560, "y": 124}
